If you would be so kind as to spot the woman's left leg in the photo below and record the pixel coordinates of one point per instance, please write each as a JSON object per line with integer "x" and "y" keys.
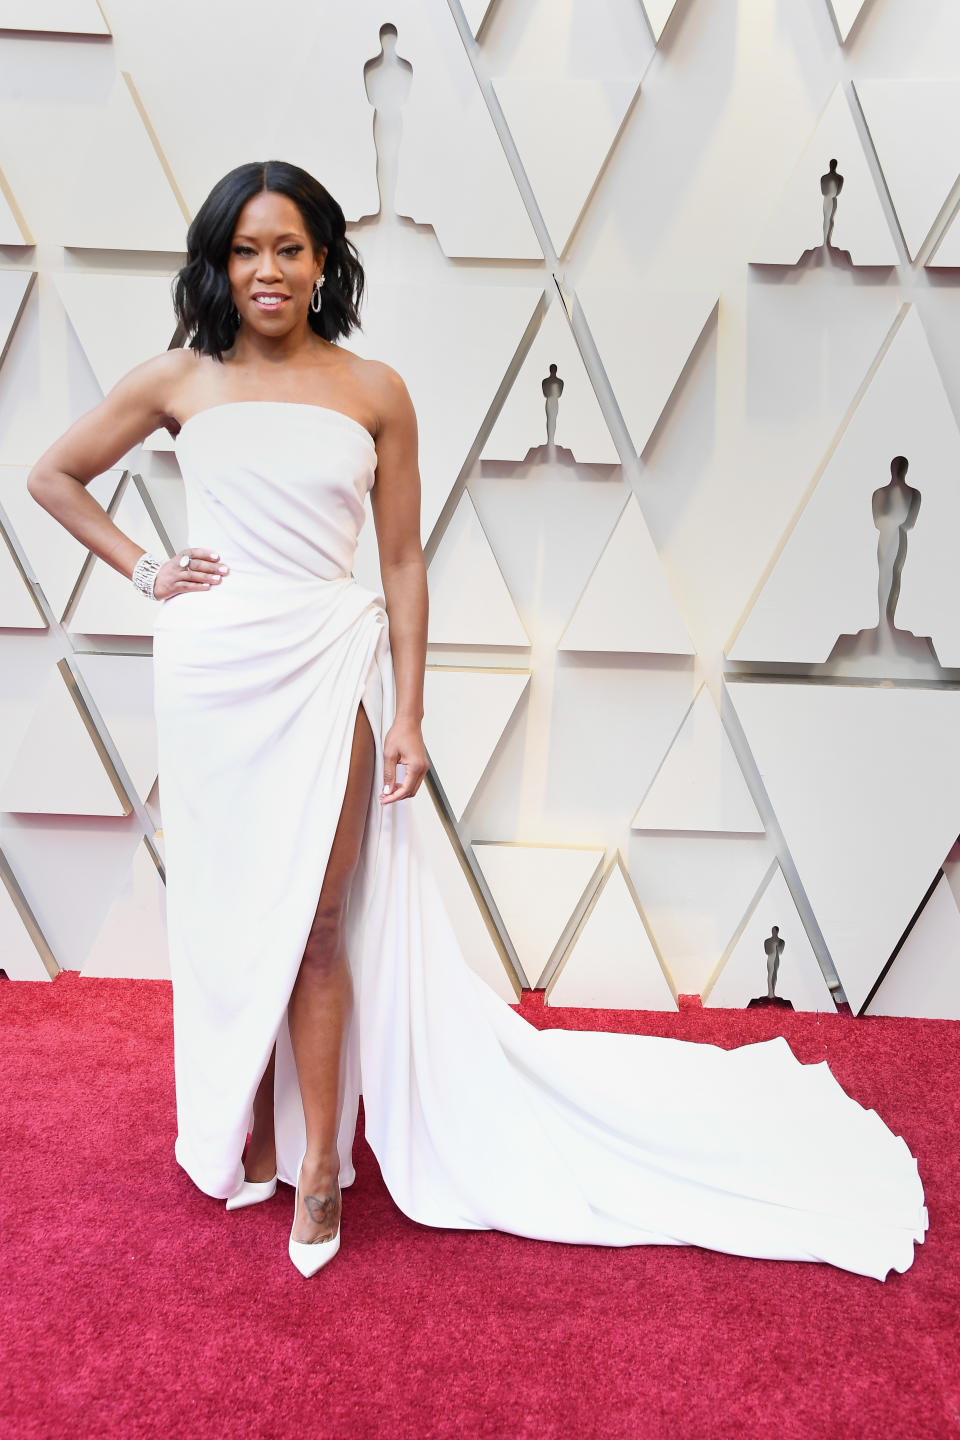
{"x": 320, "y": 1004}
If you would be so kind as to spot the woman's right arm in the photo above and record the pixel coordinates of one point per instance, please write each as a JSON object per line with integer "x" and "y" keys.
{"x": 135, "y": 407}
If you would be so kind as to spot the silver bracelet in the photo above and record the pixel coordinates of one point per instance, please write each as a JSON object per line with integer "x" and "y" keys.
{"x": 144, "y": 574}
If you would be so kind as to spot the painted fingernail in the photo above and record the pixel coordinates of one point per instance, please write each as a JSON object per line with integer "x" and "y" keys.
{"x": 386, "y": 790}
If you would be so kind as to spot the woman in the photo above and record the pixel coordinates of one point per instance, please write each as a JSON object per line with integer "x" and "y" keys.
{"x": 295, "y": 889}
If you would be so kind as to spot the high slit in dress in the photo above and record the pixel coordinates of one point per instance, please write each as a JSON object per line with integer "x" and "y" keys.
{"x": 477, "y": 1119}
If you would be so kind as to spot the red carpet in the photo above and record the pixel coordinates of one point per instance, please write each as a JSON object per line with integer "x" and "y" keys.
{"x": 133, "y": 1306}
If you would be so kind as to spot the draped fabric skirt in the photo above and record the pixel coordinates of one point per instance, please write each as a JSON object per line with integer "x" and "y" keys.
{"x": 477, "y": 1119}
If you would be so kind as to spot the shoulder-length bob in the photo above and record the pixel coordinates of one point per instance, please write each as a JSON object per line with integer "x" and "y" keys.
{"x": 201, "y": 290}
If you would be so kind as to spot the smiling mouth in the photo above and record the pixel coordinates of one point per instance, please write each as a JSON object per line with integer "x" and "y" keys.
{"x": 272, "y": 302}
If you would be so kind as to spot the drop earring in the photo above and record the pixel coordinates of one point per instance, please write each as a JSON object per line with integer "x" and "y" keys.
{"x": 316, "y": 299}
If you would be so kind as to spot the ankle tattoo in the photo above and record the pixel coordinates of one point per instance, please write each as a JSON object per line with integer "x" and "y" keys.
{"x": 323, "y": 1210}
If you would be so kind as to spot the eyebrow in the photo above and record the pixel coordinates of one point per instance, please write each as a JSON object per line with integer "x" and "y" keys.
{"x": 287, "y": 235}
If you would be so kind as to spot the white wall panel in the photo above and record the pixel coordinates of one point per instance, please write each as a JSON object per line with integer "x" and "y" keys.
{"x": 645, "y": 339}
{"x": 20, "y": 935}
{"x": 742, "y": 975}
{"x": 466, "y": 914}
{"x": 796, "y": 222}
{"x": 825, "y": 582}
{"x": 12, "y": 229}
{"x": 121, "y": 687}
{"x": 536, "y": 888}
{"x": 915, "y": 126}
{"x": 49, "y": 553}
{"x": 924, "y": 979}
{"x": 521, "y": 423}
{"x": 59, "y": 768}
{"x": 700, "y": 785}
{"x": 865, "y": 787}
{"x": 18, "y": 608}
{"x": 464, "y": 715}
{"x": 452, "y": 344}
{"x": 738, "y": 443}
{"x": 658, "y": 13}
{"x": 577, "y": 118}
{"x": 132, "y": 943}
{"x": 81, "y": 17}
{"x": 695, "y": 890}
{"x": 627, "y": 604}
{"x": 108, "y": 603}
{"x": 84, "y": 167}
{"x": 845, "y": 14}
{"x": 612, "y": 961}
{"x": 470, "y": 603}
{"x": 120, "y": 320}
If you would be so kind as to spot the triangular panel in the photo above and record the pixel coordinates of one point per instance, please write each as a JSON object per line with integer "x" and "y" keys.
{"x": 696, "y": 889}
{"x": 132, "y": 942}
{"x": 522, "y": 422}
{"x": 658, "y": 13}
{"x": 456, "y": 893}
{"x": 645, "y": 339}
{"x": 14, "y": 286}
{"x": 19, "y": 957}
{"x": 915, "y": 125}
{"x": 774, "y": 923}
{"x": 109, "y": 603}
{"x": 924, "y": 979}
{"x": 563, "y": 129}
{"x": 475, "y": 12}
{"x": 18, "y": 607}
{"x": 627, "y": 604}
{"x": 452, "y": 343}
{"x": 58, "y": 769}
{"x": 465, "y": 714}
{"x": 469, "y": 600}
{"x": 825, "y": 582}
{"x": 947, "y": 253}
{"x": 119, "y": 319}
{"x": 536, "y": 889}
{"x": 612, "y": 962}
{"x": 865, "y": 785}
{"x": 11, "y": 230}
{"x": 797, "y": 221}
{"x": 472, "y": 203}
{"x": 700, "y": 785}
{"x": 122, "y": 690}
{"x": 845, "y": 14}
{"x": 88, "y": 174}
{"x": 49, "y": 553}
{"x": 65, "y": 17}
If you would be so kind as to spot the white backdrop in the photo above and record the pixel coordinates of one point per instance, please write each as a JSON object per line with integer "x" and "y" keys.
{"x": 662, "y": 710}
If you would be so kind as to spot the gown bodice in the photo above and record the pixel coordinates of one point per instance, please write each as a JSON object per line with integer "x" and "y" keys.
{"x": 282, "y": 500}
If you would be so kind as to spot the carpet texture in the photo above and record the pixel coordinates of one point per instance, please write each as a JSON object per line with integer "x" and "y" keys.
{"x": 134, "y": 1306}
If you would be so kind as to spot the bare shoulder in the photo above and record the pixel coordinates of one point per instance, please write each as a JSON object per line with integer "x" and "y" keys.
{"x": 159, "y": 380}
{"x": 160, "y": 371}
{"x": 385, "y": 392}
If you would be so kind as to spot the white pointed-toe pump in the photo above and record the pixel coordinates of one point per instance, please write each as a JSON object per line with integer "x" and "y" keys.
{"x": 309, "y": 1258}
{"x": 251, "y": 1192}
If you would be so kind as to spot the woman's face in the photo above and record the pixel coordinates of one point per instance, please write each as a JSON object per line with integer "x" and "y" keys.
{"x": 271, "y": 254}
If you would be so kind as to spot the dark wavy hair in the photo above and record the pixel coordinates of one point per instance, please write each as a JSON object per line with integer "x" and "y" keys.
{"x": 201, "y": 291}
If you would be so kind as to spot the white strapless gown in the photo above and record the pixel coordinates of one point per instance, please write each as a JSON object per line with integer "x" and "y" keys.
{"x": 478, "y": 1120}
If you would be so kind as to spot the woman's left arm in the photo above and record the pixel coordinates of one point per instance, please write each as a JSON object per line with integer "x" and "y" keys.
{"x": 395, "y": 502}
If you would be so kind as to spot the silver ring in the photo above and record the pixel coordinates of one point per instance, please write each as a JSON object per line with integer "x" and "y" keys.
{"x": 184, "y": 562}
